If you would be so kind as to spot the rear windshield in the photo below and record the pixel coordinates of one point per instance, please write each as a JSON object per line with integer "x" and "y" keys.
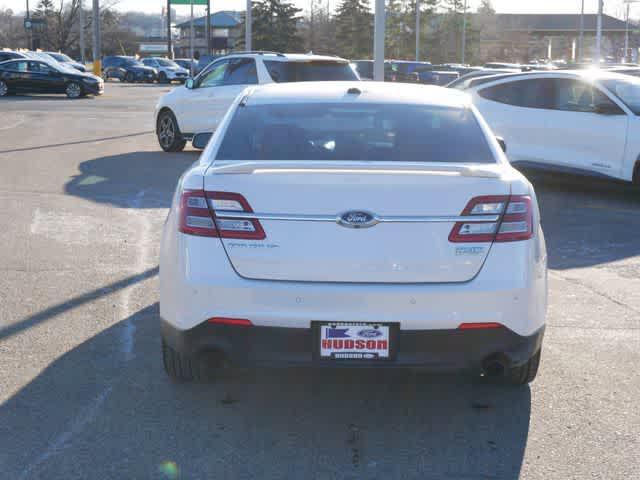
{"x": 369, "y": 132}
{"x": 309, "y": 71}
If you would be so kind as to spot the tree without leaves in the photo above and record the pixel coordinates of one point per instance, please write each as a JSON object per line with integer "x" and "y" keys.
{"x": 61, "y": 31}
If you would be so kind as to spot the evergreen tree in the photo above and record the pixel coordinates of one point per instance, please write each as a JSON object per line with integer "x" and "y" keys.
{"x": 274, "y": 26}
{"x": 318, "y": 29}
{"x": 354, "y": 29}
{"x": 395, "y": 30}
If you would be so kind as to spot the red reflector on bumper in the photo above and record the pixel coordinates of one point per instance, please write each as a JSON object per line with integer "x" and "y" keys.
{"x": 241, "y": 322}
{"x": 478, "y": 326}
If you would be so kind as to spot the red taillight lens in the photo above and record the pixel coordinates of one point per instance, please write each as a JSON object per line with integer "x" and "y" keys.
{"x": 211, "y": 214}
{"x": 238, "y": 322}
{"x": 514, "y": 220}
{"x": 479, "y": 326}
{"x": 195, "y": 218}
{"x": 517, "y": 222}
{"x": 224, "y": 205}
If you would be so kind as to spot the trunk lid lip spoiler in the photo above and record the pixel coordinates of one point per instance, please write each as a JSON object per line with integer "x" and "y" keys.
{"x": 493, "y": 170}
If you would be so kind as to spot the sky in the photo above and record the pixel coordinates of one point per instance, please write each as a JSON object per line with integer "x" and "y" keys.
{"x": 612, "y": 7}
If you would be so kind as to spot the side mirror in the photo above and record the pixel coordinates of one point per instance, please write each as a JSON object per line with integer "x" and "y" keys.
{"x": 607, "y": 108}
{"x": 189, "y": 83}
{"x": 200, "y": 140}
{"x": 502, "y": 143}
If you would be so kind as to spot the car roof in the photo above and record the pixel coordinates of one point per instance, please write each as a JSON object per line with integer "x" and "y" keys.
{"x": 291, "y": 57}
{"x": 354, "y": 92}
{"x": 586, "y": 74}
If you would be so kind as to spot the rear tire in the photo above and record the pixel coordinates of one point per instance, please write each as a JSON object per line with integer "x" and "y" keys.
{"x": 636, "y": 175}
{"x": 182, "y": 368}
{"x": 169, "y": 136}
{"x": 162, "y": 78}
{"x": 523, "y": 374}
{"x": 4, "y": 88}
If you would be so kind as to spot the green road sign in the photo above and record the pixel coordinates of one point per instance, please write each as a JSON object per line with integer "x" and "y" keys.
{"x": 34, "y": 23}
{"x": 188, "y": 2}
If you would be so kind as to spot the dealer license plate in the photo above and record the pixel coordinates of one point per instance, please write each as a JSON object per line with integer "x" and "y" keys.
{"x": 355, "y": 341}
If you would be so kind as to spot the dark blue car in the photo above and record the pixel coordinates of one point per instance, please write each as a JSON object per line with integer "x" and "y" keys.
{"x": 127, "y": 69}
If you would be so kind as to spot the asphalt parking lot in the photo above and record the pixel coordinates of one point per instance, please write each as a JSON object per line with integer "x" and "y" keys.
{"x": 84, "y": 190}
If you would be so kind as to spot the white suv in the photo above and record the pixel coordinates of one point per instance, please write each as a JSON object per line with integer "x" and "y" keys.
{"x": 200, "y": 105}
{"x": 341, "y": 224}
{"x": 168, "y": 70}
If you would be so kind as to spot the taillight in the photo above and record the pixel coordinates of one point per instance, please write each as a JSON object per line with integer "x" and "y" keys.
{"x": 195, "y": 218}
{"x": 510, "y": 219}
{"x": 218, "y": 214}
{"x": 236, "y": 322}
{"x": 479, "y": 326}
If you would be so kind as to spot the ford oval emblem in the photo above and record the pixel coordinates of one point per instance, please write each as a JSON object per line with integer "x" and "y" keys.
{"x": 357, "y": 219}
{"x": 369, "y": 333}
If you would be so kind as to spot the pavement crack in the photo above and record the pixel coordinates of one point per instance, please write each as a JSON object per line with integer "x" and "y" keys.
{"x": 582, "y": 284}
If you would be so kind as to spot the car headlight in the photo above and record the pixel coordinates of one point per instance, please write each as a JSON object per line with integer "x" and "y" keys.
{"x": 90, "y": 80}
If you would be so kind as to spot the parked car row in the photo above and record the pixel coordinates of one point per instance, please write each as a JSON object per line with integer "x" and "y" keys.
{"x": 593, "y": 113}
{"x": 147, "y": 70}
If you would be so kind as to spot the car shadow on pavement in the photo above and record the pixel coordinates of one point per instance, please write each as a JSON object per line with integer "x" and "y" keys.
{"x": 587, "y": 221}
{"x": 118, "y": 416}
{"x": 131, "y": 180}
{"x": 41, "y": 96}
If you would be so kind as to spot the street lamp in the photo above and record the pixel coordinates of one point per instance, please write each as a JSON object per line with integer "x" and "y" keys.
{"x": 464, "y": 31}
{"x": 599, "y": 32}
{"x": 581, "y": 40}
{"x": 626, "y": 30}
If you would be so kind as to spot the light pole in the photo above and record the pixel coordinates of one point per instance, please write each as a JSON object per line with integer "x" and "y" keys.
{"x": 417, "y": 30}
{"x": 248, "y": 18}
{"x": 464, "y": 31}
{"x": 378, "y": 41}
{"x": 581, "y": 39}
{"x": 81, "y": 22}
{"x": 29, "y": 31}
{"x": 626, "y": 30}
{"x": 599, "y": 33}
{"x": 97, "y": 41}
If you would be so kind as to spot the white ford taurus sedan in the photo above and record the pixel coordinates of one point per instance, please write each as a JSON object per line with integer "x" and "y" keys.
{"x": 341, "y": 224}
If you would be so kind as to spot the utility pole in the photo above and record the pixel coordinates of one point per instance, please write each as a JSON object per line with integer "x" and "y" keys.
{"x": 81, "y": 22}
{"x": 97, "y": 40}
{"x": 417, "y": 30}
{"x": 378, "y": 41}
{"x": 581, "y": 38}
{"x": 191, "y": 34}
{"x": 598, "y": 55}
{"x": 29, "y": 31}
{"x": 464, "y": 31}
{"x": 248, "y": 19}
{"x": 626, "y": 31}
{"x": 207, "y": 27}
{"x": 169, "y": 48}
{"x": 626, "y": 35}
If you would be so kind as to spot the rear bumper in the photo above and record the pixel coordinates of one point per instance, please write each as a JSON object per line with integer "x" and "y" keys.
{"x": 433, "y": 350}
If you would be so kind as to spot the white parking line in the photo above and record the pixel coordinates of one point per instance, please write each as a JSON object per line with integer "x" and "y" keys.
{"x": 142, "y": 257}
